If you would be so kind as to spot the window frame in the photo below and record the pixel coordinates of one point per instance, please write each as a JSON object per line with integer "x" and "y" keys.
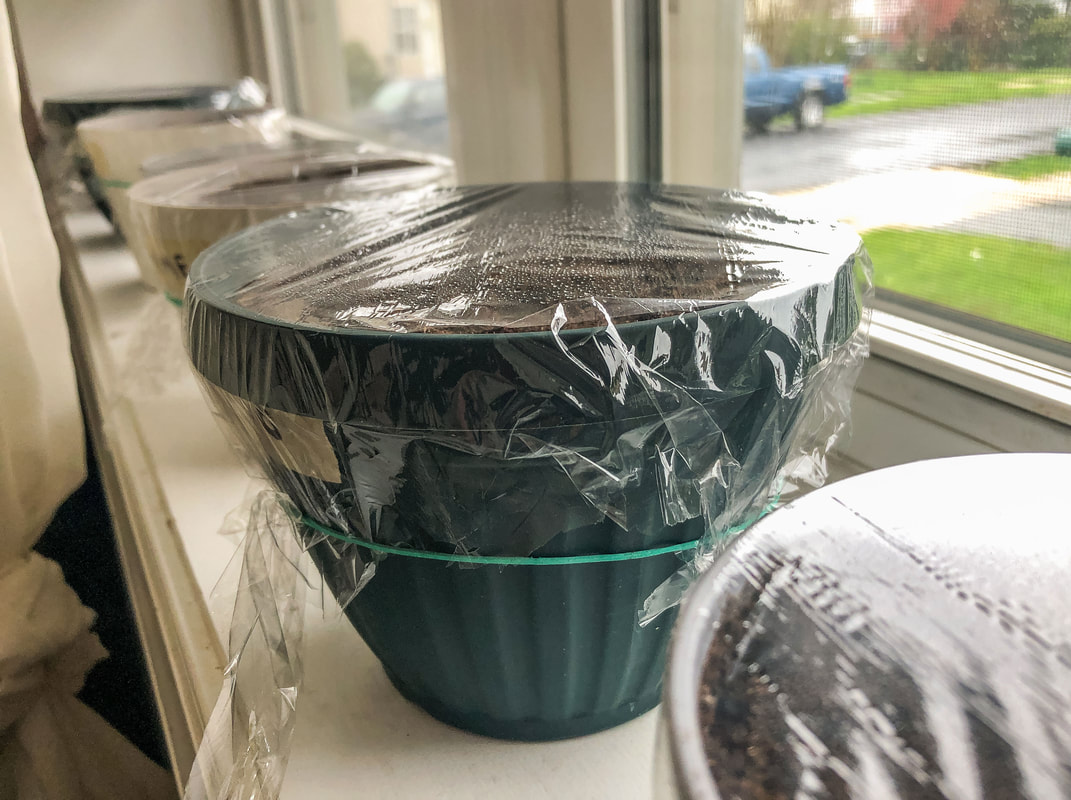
{"x": 589, "y": 130}
{"x": 1041, "y": 388}
{"x": 997, "y": 335}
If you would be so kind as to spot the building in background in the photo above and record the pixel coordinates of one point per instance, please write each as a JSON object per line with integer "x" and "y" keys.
{"x": 393, "y": 56}
{"x": 402, "y": 39}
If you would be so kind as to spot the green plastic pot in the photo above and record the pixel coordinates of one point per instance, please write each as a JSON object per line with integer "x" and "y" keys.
{"x": 529, "y": 653}
{"x": 521, "y": 443}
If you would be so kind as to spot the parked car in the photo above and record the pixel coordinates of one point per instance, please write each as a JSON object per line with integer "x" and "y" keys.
{"x": 407, "y": 113}
{"x": 803, "y": 92}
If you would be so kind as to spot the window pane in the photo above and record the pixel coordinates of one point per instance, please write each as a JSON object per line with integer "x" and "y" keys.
{"x": 393, "y": 58}
{"x": 933, "y": 126}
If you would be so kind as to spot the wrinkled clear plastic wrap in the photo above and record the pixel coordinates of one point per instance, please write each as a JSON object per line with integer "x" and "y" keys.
{"x": 176, "y": 215}
{"x": 900, "y": 634}
{"x": 653, "y": 354}
{"x": 61, "y": 116}
{"x": 246, "y": 741}
{"x": 118, "y": 143}
{"x": 587, "y": 372}
{"x": 203, "y": 156}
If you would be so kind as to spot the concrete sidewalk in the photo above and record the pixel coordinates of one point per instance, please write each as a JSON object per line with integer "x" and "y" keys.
{"x": 927, "y": 198}
{"x": 1049, "y": 223}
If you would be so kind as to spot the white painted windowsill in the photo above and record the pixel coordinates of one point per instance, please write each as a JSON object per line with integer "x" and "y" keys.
{"x": 1021, "y": 382}
{"x": 170, "y": 480}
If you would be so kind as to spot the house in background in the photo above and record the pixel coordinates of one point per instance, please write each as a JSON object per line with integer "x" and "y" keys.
{"x": 403, "y": 37}
{"x": 393, "y": 57}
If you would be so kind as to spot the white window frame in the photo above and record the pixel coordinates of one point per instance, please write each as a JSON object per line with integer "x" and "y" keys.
{"x": 537, "y": 90}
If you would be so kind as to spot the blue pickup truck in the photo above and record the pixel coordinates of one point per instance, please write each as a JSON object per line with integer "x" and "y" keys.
{"x": 803, "y": 92}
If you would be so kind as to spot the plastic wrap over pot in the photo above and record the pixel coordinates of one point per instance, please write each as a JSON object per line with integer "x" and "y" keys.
{"x": 174, "y": 216}
{"x": 62, "y": 115}
{"x": 899, "y": 634}
{"x": 203, "y": 156}
{"x": 508, "y": 421}
{"x": 118, "y": 143}
{"x": 507, "y": 370}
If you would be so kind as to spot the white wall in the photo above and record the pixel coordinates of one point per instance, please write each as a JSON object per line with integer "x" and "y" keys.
{"x": 83, "y": 45}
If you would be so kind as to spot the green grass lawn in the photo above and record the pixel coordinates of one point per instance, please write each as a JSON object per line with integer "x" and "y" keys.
{"x": 1028, "y": 167}
{"x": 876, "y": 90}
{"x": 1027, "y": 284}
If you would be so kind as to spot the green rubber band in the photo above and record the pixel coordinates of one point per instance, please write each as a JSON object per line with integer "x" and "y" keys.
{"x": 175, "y": 301}
{"x": 111, "y": 184}
{"x": 525, "y": 561}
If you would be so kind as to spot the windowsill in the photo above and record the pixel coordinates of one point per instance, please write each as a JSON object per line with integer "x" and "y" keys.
{"x": 172, "y": 480}
{"x": 1013, "y": 379}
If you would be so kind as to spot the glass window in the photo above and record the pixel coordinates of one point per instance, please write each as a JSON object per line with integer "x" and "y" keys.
{"x": 430, "y": 95}
{"x": 391, "y": 97}
{"x": 393, "y": 59}
{"x": 752, "y": 64}
{"x": 941, "y": 129}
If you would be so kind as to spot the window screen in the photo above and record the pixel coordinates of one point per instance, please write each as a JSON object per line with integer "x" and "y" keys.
{"x": 941, "y": 129}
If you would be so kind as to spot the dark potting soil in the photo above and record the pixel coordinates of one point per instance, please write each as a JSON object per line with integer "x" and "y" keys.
{"x": 525, "y": 258}
{"x": 789, "y": 703}
{"x": 865, "y": 646}
{"x": 773, "y": 711}
{"x": 738, "y": 716}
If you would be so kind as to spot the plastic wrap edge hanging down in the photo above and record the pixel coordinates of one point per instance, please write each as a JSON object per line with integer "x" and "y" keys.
{"x": 551, "y": 440}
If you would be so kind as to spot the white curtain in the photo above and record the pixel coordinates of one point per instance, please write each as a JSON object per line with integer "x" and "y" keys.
{"x": 52, "y": 747}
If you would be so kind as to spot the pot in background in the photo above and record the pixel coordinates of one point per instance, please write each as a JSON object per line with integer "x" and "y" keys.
{"x": 62, "y": 115}
{"x": 118, "y": 143}
{"x": 177, "y": 214}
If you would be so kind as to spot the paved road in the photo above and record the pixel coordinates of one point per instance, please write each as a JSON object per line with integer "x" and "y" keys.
{"x": 960, "y": 135}
{"x": 1049, "y": 223}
